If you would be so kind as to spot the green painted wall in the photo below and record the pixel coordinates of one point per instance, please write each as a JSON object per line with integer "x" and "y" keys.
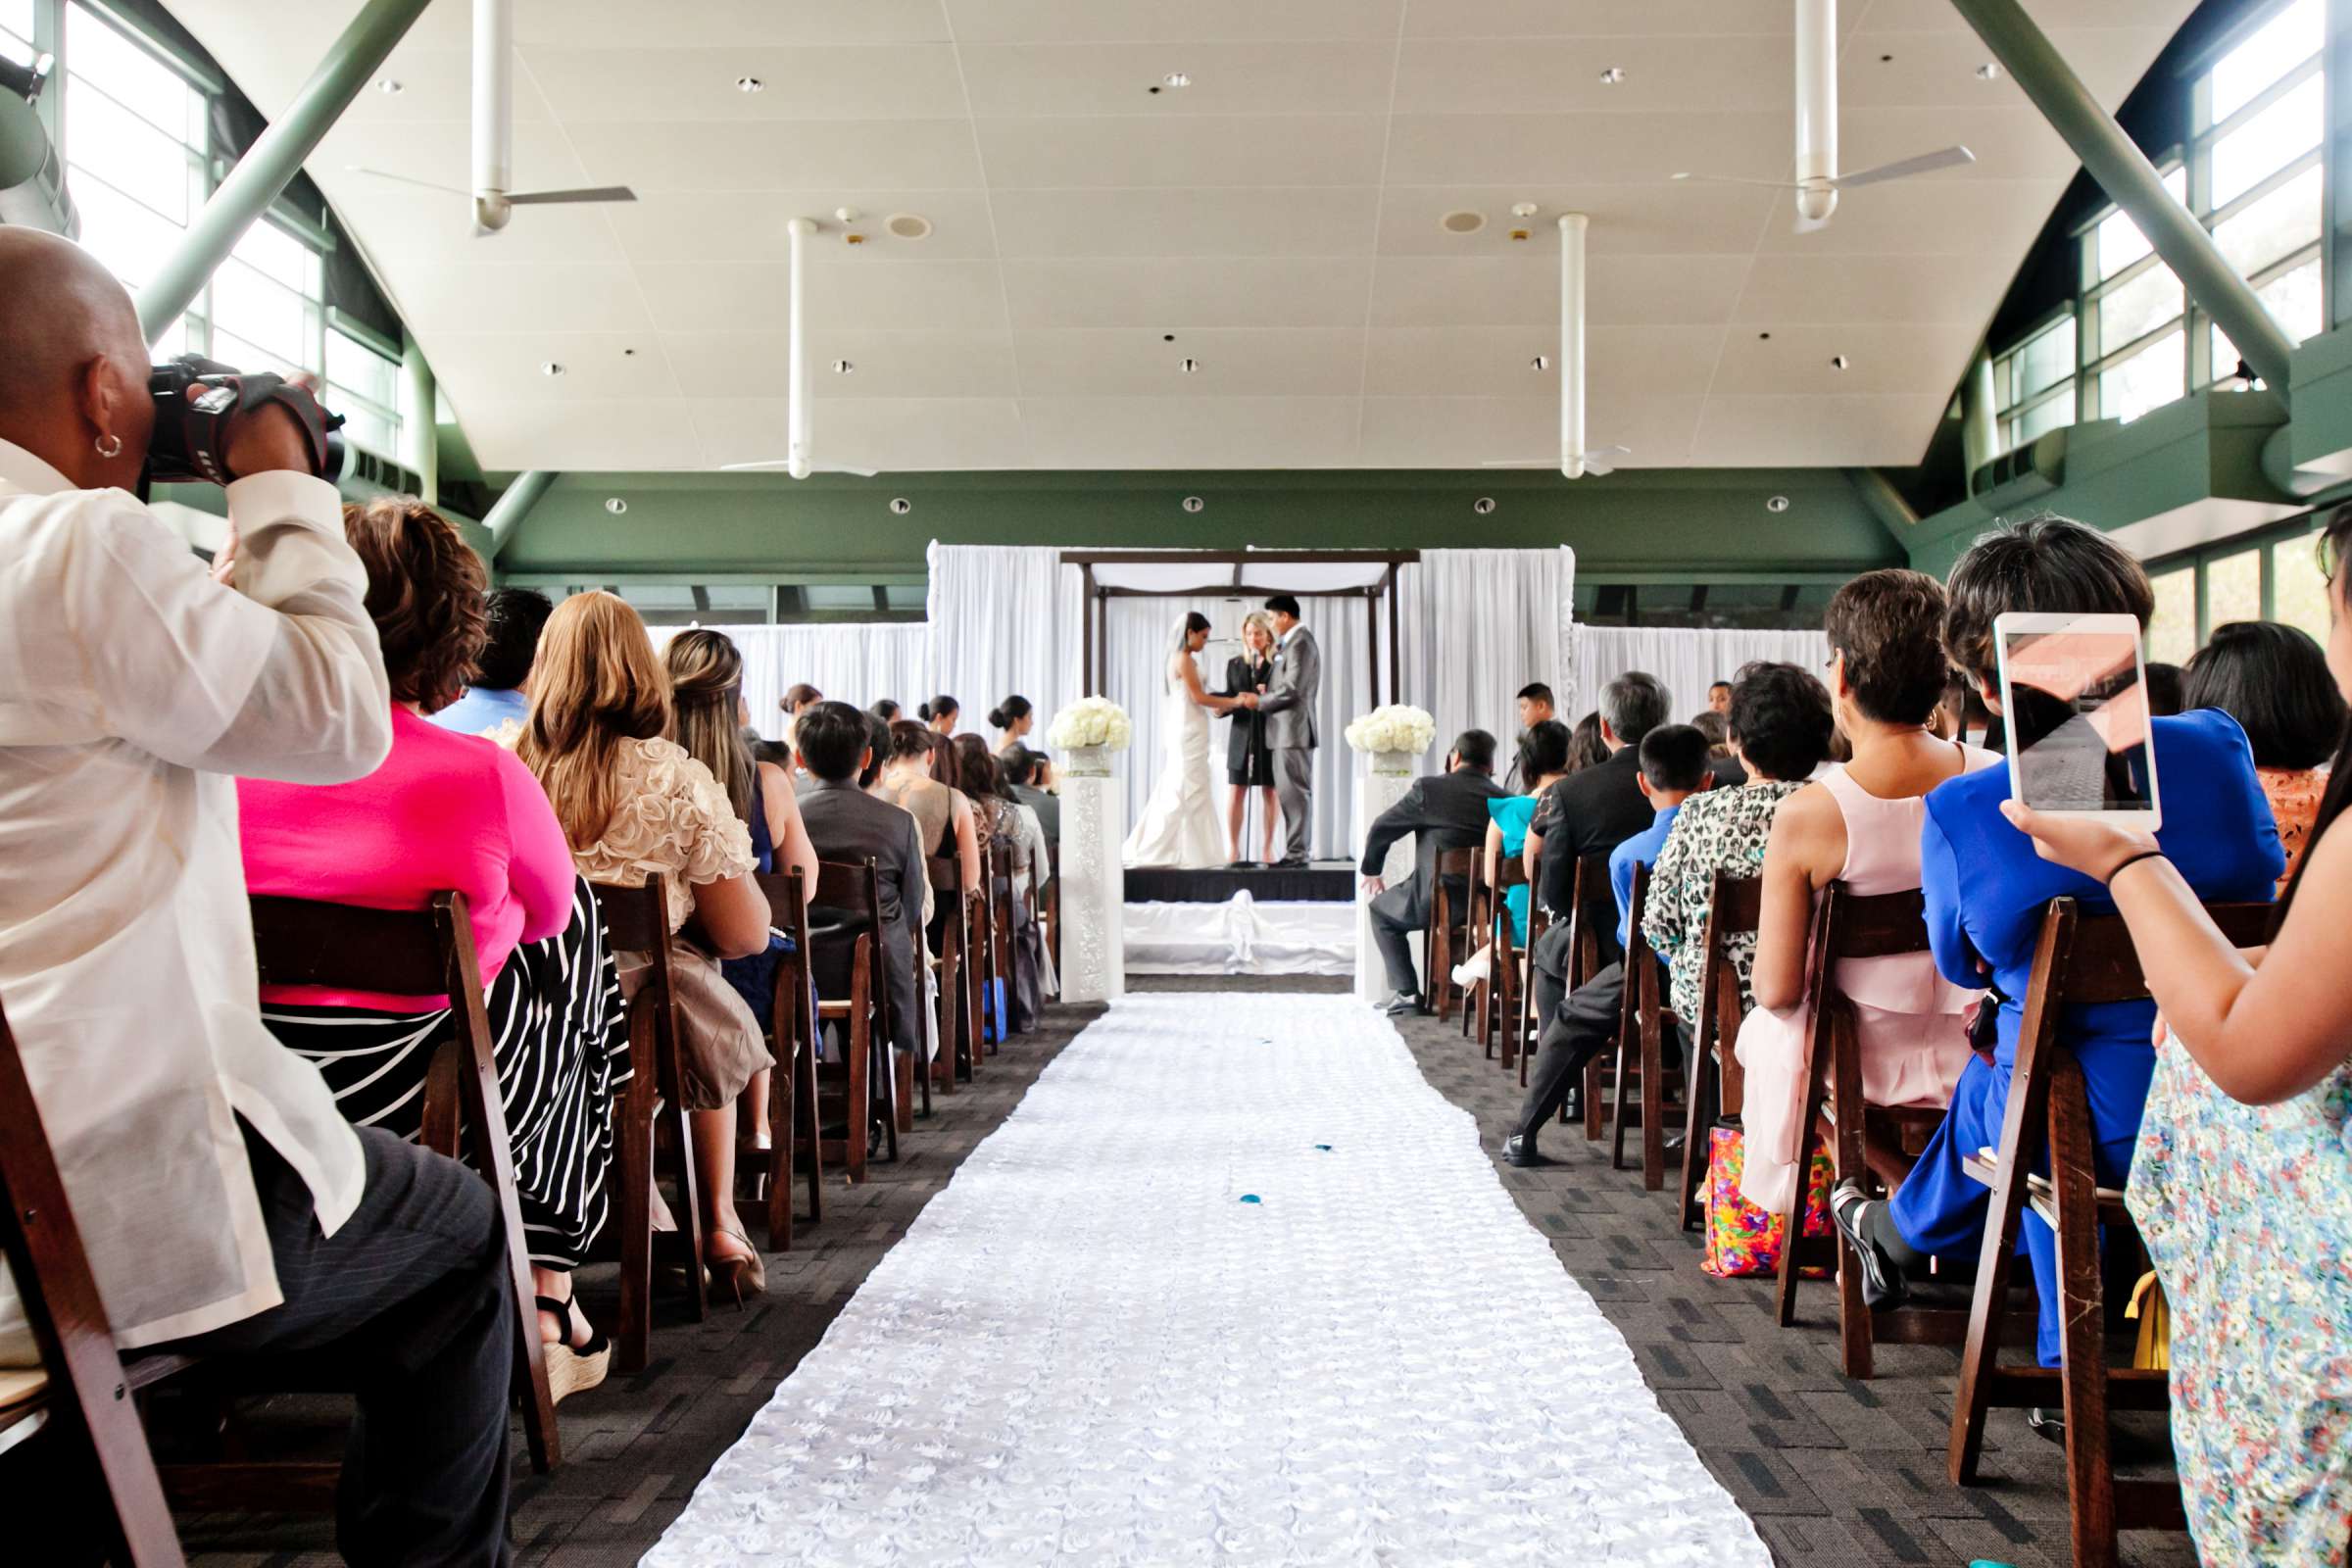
{"x": 1680, "y": 526}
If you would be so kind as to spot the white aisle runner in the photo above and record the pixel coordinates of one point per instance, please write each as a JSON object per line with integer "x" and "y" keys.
{"x": 1232, "y": 1285}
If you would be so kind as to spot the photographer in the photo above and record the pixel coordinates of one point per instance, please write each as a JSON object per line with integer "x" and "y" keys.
{"x": 136, "y": 687}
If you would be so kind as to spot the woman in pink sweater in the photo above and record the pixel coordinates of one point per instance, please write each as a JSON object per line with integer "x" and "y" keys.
{"x": 457, "y": 812}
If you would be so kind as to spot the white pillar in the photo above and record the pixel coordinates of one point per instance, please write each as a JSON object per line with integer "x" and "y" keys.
{"x": 1374, "y": 793}
{"x": 1094, "y": 888}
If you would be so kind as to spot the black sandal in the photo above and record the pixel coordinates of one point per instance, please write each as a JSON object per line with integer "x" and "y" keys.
{"x": 1884, "y": 1286}
{"x": 569, "y": 1367}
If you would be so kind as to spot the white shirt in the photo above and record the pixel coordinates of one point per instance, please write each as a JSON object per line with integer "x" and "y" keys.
{"x": 132, "y": 690}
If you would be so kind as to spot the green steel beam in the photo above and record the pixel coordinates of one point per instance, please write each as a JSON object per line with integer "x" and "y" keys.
{"x": 1886, "y": 503}
{"x": 1980, "y": 426}
{"x": 2130, "y": 181}
{"x": 421, "y": 432}
{"x": 274, "y": 158}
{"x": 509, "y": 509}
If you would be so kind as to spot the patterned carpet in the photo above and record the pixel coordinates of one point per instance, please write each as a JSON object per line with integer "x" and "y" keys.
{"x": 1834, "y": 1472}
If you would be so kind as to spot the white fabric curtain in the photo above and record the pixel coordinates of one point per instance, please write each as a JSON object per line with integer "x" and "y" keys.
{"x": 861, "y": 662}
{"x": 1478, "y": 625}
{"x": 1687, "y": 660}
{"x": 1005, "y": 620}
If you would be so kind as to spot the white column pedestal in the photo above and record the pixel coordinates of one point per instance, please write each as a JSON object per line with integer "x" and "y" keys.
{"x": 1094, "y": 889}
{"x": 1373, "y": 794}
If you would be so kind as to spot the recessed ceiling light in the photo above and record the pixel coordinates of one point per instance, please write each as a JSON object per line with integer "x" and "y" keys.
{"x": 750, "y": 85}
{"x": 908, "y": 225}
{"x": 389, "y": 86}
{"x": 615, "y": 505}
{"x": 1463, "y": 221}
{"x": 1776, "y": 504}
{"x": 1522, "y": 209}
{"x": 1541, "y": 362}
{"x": 1989, "y": 70}
{"x": 1188, "y": 364}
{"x": 551, "y": 367}
{"x": 1885, "y": 59}
{"x": 1194, "y": 502}
{"x": 843, "y": 366}
{"x": 1763, "y": 337}
{"x": 1837, "y": 362}
{"x": 1483, "y": 505}
{"x": 1612, "y": 77}
{"x": 1176, "y": 78}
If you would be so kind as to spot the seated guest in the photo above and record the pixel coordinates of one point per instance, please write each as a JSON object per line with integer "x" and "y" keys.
{"x": 1718, "y": 731}
{"x": 1859, "y": 825}
{"x": 1986, "y": 890}
{"x": 942, "y": 816}
{"x": 225, "y": 1205}
{"x": 2168, "y": 689}
{"x": 706, "y": 684}
{"x": 938, "y": 712}
{"x": 498, "y": 693}
{"x": 1719, "y": 698}
{"x": 1014, "y": 717}
{"x": 1445, "y": 812}
{"x": 450, "y": 811}
{"x": 1781, "y": 727}
{"x": 798, "y": 698}
{"x": 1024, "y": 770}
{"x": 850, "y": 827}
{"x": 2274, "y": 681}
{"x": 2242, "y": 1179}
{"x": 877, "y": 756}
{"x": 1587, "y": 814}
{"x": 886, "y": 709}
{"x": 1006, "y": 821}
{"x": 1672, "y": 767}
{"x": 1588, "y": 745}
{"x": 632, "y": 802}
{"x": 1543, "y": 762}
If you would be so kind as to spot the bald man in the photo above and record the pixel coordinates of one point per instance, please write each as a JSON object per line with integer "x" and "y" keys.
{"x": 226, "y": 1204}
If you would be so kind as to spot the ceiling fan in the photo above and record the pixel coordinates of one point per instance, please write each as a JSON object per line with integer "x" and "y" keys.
{"x": 494, "y": 132}
{"x": 795, "y": 460}
{"x": 1818, "y": 181}
{"x": 1575, "y": 459}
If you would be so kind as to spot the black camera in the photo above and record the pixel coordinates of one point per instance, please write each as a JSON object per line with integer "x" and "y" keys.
{"x": 197, "y": 400}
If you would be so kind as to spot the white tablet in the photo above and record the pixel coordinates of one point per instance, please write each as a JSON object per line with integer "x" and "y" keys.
{"x": 2075, "y": 704}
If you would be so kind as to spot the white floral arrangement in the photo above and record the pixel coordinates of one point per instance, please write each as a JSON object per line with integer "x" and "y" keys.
{"x": 1091, "y": 723}
{"x": 1394, "y": 728}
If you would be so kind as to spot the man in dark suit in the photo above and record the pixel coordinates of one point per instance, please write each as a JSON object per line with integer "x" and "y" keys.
{"x": 1445, "y": 812}
{"x": 1024, "y": 774}
{"x": 834, "y": 741}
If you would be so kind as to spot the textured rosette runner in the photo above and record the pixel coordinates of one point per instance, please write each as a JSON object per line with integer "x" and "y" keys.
{"x": 1093, "y": 1348}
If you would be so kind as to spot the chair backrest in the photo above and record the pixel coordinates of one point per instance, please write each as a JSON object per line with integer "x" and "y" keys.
{"x": 636, "y": 919}
{"x": 1456, "y": 863}
{"x": 59, "y": 1299}
{"x": 1734, "y": 907}
{"x": 2084, "y": 958}
{"x": 300, "y": 942}
{"x": 945, "y": 873}
{"x": 848, "y": 889}
{"x": 1593, "y": 906}
{"x": 1510, "y": 872}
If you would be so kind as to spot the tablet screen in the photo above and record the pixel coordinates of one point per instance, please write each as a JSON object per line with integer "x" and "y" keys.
{"x": 2078, "y": 720}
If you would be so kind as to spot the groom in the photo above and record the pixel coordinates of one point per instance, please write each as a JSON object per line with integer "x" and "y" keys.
{"x": 1290, "y": 706}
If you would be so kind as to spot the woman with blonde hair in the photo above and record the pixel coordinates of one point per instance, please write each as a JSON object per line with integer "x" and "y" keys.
{"x": 1249, "y": 760}
{"x": 632, "y": 802}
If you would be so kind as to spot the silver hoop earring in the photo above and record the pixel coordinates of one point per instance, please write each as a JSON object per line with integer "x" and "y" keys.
{"x": 108, "y": 446}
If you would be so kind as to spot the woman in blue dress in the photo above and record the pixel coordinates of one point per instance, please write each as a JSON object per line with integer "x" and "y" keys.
{"x": 1542, "y": 763}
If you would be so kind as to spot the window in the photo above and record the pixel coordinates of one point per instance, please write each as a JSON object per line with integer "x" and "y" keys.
{"x": 2232, "y": 589}
{"x": 2034, "y": 385}
{"x": 2133, "y": 308}
{"x": 2173, "y": 629}
{"x": 2299, "y": 587}
{"x": 2275, "y": 574}
{"x": 365, "y": 385}
{"x": 15, "y": 31}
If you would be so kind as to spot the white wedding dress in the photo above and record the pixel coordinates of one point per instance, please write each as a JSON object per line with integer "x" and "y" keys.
{"x": 1179, "y": 827}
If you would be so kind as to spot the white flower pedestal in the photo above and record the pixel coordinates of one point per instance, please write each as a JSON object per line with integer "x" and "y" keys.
{"x": 1093, "y": 827}
{"x": 1377, "y": 788}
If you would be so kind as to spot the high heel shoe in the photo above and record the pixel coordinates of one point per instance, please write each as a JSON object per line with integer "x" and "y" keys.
{"x": 738, "y": 1274}
{"x": 569, "y": 1367}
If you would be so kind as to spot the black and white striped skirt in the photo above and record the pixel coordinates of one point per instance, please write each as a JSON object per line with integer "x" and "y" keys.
{"x": 560, "y": 1035}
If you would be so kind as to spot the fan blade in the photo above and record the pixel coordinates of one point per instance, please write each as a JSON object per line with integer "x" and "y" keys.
{"x": 1734, "y": 180}
{"x": 1924, "y": 164}
{"x": 862, "y": 473}
{"x": 1522, "y": 462}
{"x": 405, "y": 180}
{"x": 756, "y": 468}
{"x": 552, "y": 198}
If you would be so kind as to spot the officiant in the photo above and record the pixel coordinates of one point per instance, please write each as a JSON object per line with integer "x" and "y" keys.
{"x": 1249, "y": 760}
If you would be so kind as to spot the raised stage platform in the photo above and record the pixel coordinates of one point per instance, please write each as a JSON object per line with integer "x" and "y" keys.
{"x": 1323, "y": 882}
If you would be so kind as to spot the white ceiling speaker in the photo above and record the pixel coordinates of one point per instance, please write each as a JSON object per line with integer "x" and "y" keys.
{"x": 615, "y": 505}
{"x": 1463, "y": 221}
{"x": 1818, "y": 181}
{"x": 494, "y": 202}
{"x": 908, "y": 225}
{"x": 1576, "y": 460}
{"x": 796, "y": 460}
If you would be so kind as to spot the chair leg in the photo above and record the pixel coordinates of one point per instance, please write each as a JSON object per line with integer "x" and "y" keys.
{"x": 1702, "y": 1092}
{"x": 671, "y": 1117}
{"x": 860, "y": 1109}
{"x": 1981, "y": 1354}
{"x": 635, "y": 1331}
{"x": 2082, "y": 1353}
{"x": 1594, "y": 1113}
{"x": 783, "y": 1115}
{"x": 1619, "y": 1080}
{"x": 1808, "y": 1130}
{"x": 1654, "y": 1102}
{"x": 804, "y": 1058}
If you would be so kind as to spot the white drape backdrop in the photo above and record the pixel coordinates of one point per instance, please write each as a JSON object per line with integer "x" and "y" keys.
{"x": 1688, "y": 661}
{"x": 858, "y": 662}
{"x": 1479, "y": 625}
{"x": 1004, "y": 619}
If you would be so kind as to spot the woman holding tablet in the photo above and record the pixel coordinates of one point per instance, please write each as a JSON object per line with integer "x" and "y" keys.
{"x": 2242, "y": 1181}
{"x": 1986, "y": 889}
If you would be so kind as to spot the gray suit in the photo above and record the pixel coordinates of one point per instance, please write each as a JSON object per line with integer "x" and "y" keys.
{"x": 1289, "y": 708}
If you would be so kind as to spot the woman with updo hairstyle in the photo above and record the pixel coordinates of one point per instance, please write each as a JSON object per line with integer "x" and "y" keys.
{"x": 451, "y": 811}
{"x": 942, "y": 816}
{"x": 1015, "y": 718}
{"x": 999, "y": 819}
{"x": 633, "y": 803}
{"x": 939, "y": 714}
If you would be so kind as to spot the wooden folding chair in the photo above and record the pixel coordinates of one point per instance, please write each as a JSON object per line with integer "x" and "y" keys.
{"x": 849, "y": 906}
{"x": 1500, "y": 999}
{"x": 1874, "y": 1144}
{"x": 1527, "y": 1026}
{"x": 1733, "y": 905}
{"x": 85, "y": 1400}
{"x": 792, "y": 1140}
{"x": 1002, "y": 958}
{"x": 1592, "y": 909}
{"x": 1445, "y": 923}
{"x": 1641, "y": 1026}
{"x": 953, "y": 1017}
{"x": 637, "y": 920}
{"x": 1478, "y": 919}
{"x": 2080, "y": 960}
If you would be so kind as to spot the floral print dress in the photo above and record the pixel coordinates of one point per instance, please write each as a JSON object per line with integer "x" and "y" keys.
{"x": 1718, "y": 830}
{"x": 2247, "y": 1211}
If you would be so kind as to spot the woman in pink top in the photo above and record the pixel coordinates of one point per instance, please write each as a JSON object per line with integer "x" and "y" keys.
{"x": 457, "y": 812}
{"x": 1858, "y": 825}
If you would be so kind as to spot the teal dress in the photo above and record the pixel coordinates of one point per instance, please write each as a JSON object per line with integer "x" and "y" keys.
{"x": 1514, "y": 813}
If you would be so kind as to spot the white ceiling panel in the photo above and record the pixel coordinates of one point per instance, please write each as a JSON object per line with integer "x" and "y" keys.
{"x": 1276, "y": 219}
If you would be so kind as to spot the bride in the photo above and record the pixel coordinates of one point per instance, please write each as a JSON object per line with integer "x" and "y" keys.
{"x": 1179, "y": 825}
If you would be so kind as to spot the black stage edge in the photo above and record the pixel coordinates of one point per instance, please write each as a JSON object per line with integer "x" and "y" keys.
{"x": 1324, "y": 882}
